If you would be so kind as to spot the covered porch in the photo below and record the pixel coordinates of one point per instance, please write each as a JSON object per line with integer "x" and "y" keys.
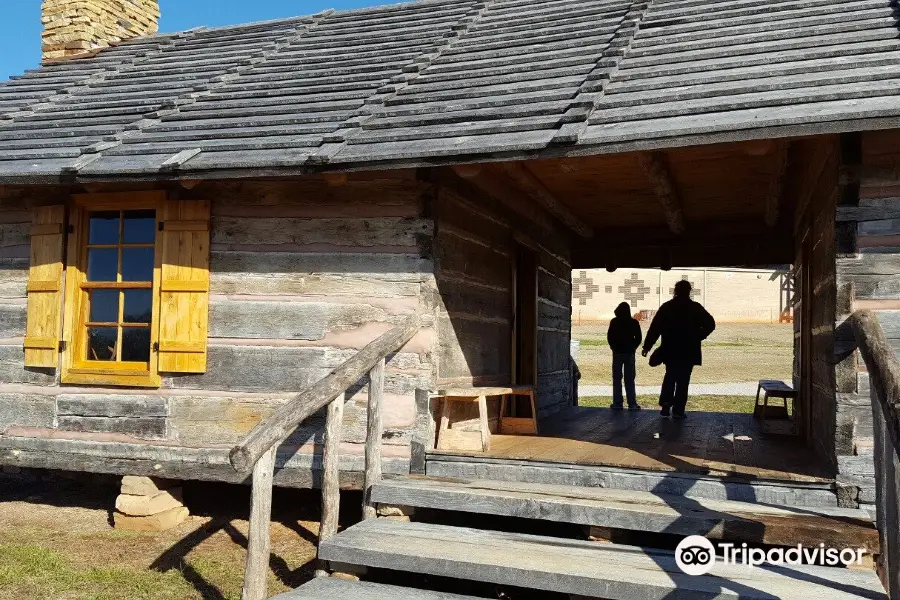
{"x": 743, "y": 204}
{"x": 714, "y": 444}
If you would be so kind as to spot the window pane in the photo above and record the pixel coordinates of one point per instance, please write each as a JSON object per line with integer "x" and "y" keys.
{"x": 102, "y": 343}
{"x": 104, "y": 306}
{"x": 140, "y": 227}
{"x": 138, "y": 306}
{"x": 137, "y": 264}
{"x": 102, "y": 264}
{"x": 136, "y": 344}
{"x": 104, "y": 228}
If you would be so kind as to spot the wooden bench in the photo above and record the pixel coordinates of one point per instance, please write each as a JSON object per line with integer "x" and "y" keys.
{"x": 773, "y": 388}
{"x": 453, "y": 439}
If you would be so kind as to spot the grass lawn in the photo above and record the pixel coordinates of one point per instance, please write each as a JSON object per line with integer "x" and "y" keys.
{"x": 729, "y": 404}
{"x": 736, "y": 352}
{"x": 56, "y": 543}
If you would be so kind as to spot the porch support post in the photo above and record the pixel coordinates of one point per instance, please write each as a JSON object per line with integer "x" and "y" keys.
{"x": 654, "y": 166}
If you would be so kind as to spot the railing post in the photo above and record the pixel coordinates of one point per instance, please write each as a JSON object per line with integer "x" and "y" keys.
{"x": 374, "y": 431}
{"x": 887, "y": 467}
{"x": 258, "y": 544}
{"x": 331, "y": 484}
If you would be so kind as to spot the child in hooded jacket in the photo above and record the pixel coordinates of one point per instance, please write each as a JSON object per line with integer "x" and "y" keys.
{"x": 624, "y": 337}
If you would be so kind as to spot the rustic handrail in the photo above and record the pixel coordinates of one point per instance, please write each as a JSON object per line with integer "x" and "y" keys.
{"x": 278, "y": 426}
{"x": 884, "y": 383}
{"x": 257, "y": 450}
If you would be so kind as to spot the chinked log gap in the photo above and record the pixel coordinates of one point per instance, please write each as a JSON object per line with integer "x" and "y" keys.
{"x": 654, "y": 166}
{"x": 531, "y": 187}
{"x": 776, "y": 187}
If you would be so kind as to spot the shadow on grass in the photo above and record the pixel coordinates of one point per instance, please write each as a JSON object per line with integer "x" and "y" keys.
{"x": 224, "y": 504}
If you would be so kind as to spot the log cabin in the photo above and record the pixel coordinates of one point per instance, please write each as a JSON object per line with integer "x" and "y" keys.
{"x": 198, "y": 226}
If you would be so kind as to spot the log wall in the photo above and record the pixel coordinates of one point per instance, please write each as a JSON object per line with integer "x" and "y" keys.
{"x": 475, "y": 247}
{"x": 822, "y": 308}
{"x": 814, "y": 188}
{"x": 303, "y": 274}
{"x": 868, "y": 277}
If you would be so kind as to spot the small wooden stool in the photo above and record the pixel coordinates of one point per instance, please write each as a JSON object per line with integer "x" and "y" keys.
{"x": 772, "y": 388}
{"x": 475, "y": 441}
{"x": 515, "y": 425}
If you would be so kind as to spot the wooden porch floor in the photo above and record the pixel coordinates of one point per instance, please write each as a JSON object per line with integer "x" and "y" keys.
{"x": 717, "y": 444}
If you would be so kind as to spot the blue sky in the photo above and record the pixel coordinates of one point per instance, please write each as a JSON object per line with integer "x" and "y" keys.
{"x": 20, "y": 21}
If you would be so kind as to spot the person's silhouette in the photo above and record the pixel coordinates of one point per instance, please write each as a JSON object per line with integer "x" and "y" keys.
{"x": 683, "y": 324}
{"x": 624, "y": 337}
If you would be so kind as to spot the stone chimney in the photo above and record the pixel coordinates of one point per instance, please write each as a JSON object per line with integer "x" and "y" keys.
{"x": 78, "y": 27}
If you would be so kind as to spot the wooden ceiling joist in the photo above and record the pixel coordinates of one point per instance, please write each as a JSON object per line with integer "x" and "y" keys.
{"x": 485, "y": 185}
{"x": 776, "y": 187}
{"x": 336, "y": 179}
{"x": 537, "y": 191}
{"x": 654, "y": 166}
{"x": 468, "y": 171}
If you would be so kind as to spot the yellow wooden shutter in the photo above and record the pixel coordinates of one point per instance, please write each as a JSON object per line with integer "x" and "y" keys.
{"x": 45, "y": 287}
{"x": 184, "y": 286}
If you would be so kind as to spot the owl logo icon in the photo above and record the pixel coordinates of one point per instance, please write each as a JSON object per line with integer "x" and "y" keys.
{"x": 695, "y": 555}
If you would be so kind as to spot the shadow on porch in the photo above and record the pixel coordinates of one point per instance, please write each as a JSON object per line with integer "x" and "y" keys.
{"x": 715, "y": 444}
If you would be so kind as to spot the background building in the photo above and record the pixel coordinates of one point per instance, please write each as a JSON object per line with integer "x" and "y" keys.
{"x": 731, "y": 295}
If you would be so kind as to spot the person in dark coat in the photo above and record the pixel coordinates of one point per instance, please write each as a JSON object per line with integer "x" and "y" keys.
{"x": 624, "y": 337}
{"x": 683, "y": 324}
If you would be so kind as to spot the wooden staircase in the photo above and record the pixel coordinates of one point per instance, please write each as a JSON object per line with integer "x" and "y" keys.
{"x": 431, "y": 553}
{"x": 581, "y": 568}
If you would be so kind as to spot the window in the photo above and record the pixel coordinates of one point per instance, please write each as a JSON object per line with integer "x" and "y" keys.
{"x": 135, "y": 302}
{"x": 114, "y": 295}
{"x": 118, "y": 287}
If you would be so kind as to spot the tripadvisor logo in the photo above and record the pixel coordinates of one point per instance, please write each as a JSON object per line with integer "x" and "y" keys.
{"x": 696, "y": 555}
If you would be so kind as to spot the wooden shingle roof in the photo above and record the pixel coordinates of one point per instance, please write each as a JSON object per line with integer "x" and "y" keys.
{"x": 454, "y": 80}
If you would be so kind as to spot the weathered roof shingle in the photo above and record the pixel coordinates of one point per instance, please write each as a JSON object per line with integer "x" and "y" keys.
{"x": 454, "y": 80}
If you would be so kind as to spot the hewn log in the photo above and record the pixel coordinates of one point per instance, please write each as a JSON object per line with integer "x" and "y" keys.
{"x": 654, "y": 166}
{"x": 139, "y": 427}
{"x": 258, "y": 542}
{"x": 374, "y": 432}
{"x": 282, "y": 422}
{"x": 331, "y": 485}
{"x": 537, "y": 191}
{"x": 776, "y": 188}
{"x": 297, "y": 467}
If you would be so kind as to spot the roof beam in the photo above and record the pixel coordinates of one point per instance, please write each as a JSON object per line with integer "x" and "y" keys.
{"x": 493, "y": 188}
{"x": 336, "y": 179}
{"x": 537, "y": 191}
{"x": 468, "y": 171}
{"x": 776, "y": 187}
{"x": 657, "y": 171}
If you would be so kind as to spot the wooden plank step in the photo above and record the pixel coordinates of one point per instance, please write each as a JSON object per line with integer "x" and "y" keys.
{"x": 331, "y": 588}
{"x": 608, "y": 571}
{"x": 718, "y": 487}
{"x": 638, "y": 511}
